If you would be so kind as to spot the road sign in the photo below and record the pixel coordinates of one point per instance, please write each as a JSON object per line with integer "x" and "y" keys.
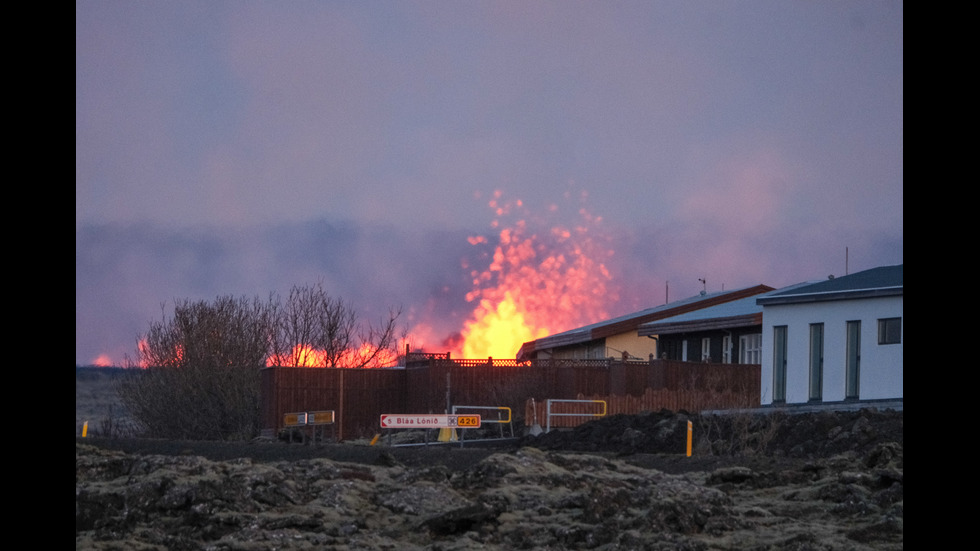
{"x": 293, "y": 419}
{"x": 319, "y": 417}
{"x": 408, "y": 421}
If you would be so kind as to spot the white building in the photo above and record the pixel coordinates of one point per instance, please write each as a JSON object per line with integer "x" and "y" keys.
{"x": 835, "y": 340}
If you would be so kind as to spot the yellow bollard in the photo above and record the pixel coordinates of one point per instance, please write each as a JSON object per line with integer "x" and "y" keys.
{"x": 375, "y": 439}
{"x": 690, "y": 434}
{"x": 85, "y": 429}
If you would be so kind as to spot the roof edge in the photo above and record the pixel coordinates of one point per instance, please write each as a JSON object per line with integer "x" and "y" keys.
{"x": 728, "y": 322}
{"x": 879, "y": 292}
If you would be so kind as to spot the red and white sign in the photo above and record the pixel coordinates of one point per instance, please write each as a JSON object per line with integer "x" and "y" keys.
{"x": 409, "y": 421}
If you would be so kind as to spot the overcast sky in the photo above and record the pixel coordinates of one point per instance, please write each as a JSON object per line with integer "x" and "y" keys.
{"x": 242, "y": 147}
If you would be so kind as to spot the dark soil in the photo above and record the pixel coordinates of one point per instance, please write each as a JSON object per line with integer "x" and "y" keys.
{"x": 654, "y": 440}
{"x": 807, "y": 481}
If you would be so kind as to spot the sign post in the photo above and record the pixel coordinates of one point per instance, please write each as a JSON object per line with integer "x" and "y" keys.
{"x": 310, "y": 419}
{"x": 690, "y": 435}
{"x": 409, "y": 421}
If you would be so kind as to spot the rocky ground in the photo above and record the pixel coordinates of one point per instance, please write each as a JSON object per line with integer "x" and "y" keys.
{"x": 757, "y": 482}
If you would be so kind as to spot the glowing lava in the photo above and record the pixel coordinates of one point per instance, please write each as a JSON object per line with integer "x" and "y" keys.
{"x": 542, "y": 279}
{"x": 304, "y": 355}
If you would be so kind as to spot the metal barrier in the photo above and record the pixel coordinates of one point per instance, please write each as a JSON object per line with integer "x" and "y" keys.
{"x": 549, "y": 414}
{"x": 498, "y": 420}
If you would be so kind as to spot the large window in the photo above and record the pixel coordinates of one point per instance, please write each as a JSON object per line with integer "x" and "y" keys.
{"x": 890, "y": 331}
{"x": 750, "y": 349}
{"x": 779, "y": 364}
{"x": 852, "y": 368}
{"x": 816, "y": 361}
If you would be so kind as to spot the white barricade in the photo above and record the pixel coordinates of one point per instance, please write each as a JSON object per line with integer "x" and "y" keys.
{"x": 549, "y": 414}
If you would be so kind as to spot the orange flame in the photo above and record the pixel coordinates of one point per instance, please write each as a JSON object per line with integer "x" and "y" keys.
{"x": 538, "y": 282}
{"x": 304, "y": 355}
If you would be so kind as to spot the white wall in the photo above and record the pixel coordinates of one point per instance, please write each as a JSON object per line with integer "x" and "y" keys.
{"x": 881, "y": 373}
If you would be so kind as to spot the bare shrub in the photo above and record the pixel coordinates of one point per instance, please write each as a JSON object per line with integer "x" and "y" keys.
{"x": 737, "y": 432}
{"x": 199, "y": 376}
{"x": 200, "y": 371}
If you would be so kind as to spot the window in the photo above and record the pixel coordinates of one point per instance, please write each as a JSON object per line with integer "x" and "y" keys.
{"x": 852, "y": 361}
{"x": 684, "y": 350}
{"x": 706, "y": 349}
{"x": 816, "y": 361}
{"x": 726, "y": 349}
{"x": 750, "y": 349}
{"x": 779, "y": 364}
{"x": 890, "y": 331}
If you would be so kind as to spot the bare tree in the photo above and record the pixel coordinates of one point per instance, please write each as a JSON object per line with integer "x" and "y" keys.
{"x": 314, "y": 329}
{"x": 200, "y": 377}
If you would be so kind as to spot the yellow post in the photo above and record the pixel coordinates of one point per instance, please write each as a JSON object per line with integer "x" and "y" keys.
{"x": 375, "y": 439}
{"x": 85, "y": 429}
{"x": 690, "y": 434}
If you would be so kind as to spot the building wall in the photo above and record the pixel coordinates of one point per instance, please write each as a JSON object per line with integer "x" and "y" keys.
{"x": 881, "y": 368}
{"x": 638, "y": 347}
{"x": 592, "y": 350}
{"x": 672, "y": 344}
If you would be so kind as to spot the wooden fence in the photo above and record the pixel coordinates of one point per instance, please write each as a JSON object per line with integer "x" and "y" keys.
{"x": 433, "y": 382}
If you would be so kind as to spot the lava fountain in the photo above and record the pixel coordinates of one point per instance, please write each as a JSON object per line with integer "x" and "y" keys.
{"x": 542, "y": 277}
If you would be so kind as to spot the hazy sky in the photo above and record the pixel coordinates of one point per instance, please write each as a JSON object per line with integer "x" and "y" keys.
{"x": 244, "y": 147}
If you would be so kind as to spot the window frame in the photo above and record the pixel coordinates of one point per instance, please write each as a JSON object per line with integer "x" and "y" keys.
{"x": 890, "y": 330}
{"x": 816, "y": 362}
{"x": 780, "y": 361}
{"x": 749, "y": 348}
{"x": 852, "y": 361}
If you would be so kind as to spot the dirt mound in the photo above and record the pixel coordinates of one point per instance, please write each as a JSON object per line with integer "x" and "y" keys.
{"x": 822, "y": 481}
{"x": 771, "y": 433}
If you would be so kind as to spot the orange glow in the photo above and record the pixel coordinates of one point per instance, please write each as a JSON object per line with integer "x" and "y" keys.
{"x": 102, "y": 361}
{"x": 304, "y": 355}
{"x": 498, "y": 330}
{"x": 146, "y": 357}
{"x": 542, "y": 279}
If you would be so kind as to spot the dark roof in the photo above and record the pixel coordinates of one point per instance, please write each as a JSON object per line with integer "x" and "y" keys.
{"x": 744, "y": 312}
{"x": 876, "y": 282}
{"x": 631, "y": 322}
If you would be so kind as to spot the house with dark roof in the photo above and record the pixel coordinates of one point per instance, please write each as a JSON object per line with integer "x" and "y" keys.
{"x": 730, "y": 332}
{"x": 834, "y": 340}
{"x": 618, "y": 337}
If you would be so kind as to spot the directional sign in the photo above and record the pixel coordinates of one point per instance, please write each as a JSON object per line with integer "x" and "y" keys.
{"x": 320, "y": 417}
{"x": 293, "y": 419}
{"x": 408, "y": 421}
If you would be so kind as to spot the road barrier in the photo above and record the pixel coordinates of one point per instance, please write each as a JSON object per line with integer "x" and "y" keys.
{"x": 549, "y": 414}
{"x": 500, "y": 420}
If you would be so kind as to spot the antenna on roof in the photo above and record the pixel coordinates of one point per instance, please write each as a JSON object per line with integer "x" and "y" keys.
{"x": 846, "y": 255}
{"x": 704, "y": 289}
